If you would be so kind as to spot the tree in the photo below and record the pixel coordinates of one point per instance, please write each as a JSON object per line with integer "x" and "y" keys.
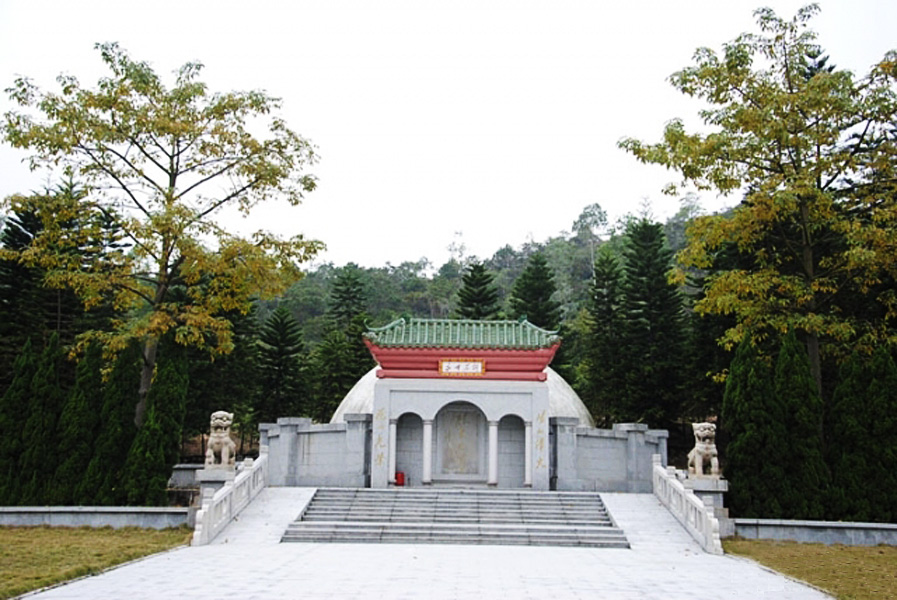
{"x": 813, "y": 150}
{"x": 478, "y": 296}
{"x": 860, "y": 432}
{"x": 754, "y": 419}
{"x": 161, "y": 163}
{"x": 882, "y": 458}
{"x": 38, "y": 463}
{"x": 347, "y": 298}
{"x": 531, "y": 296}
{"x": 78, "y": 427}
{"x": 27, "y": 306}
{"x": 102, "y": 483}
{"x": 653, "y": 332}
{"x": 281, "y": 353}
{"x": 806, "y": 474}
{"x": 604, "y": 370}
{"x": 156, "y": 448}
{"x": 13, "y": 405}
{"x": 592, "y": 218}
{"x": 342, "y": 358}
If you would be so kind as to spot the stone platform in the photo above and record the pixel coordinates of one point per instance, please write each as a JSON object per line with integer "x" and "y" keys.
{"x": 248, "y": 561}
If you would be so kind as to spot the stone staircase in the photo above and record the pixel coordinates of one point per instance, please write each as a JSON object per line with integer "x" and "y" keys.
{"x": 456, "y": 516}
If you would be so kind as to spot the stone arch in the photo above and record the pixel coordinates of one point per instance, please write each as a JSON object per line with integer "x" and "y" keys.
{"x": 511, "y": 451}
{"x": 461, "y": 440}
{"x": 409, "y": 447}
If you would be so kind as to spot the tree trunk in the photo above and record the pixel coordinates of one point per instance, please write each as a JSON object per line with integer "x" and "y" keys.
{"x": 146, "y": 378}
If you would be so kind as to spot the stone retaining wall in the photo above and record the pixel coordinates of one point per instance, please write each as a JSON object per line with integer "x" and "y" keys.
{"x": 823, "y": 532}
{"x": 97, "y": 516}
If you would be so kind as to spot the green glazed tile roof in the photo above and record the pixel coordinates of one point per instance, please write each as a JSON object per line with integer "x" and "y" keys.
{"x": 457, "y": 333}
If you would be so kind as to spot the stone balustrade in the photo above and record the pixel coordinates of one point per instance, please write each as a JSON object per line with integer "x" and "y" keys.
{"x": 220, "y": 507}
{"x": 696, "y": 516}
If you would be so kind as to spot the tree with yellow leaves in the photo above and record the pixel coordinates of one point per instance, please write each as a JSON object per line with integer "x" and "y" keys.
{"x": 814, "y": 151}
{"x": 161, "y": 163}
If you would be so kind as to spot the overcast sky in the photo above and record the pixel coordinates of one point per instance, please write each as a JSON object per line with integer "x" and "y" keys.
{"x": 498, "y": 120}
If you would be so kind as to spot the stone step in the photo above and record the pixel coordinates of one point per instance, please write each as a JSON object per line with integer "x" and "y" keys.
{"x": 453, "y": 533}
{"x": 374, "y": 519}
{"x": 456, "y": 516}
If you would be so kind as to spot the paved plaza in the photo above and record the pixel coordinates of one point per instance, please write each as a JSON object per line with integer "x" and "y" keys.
{"x": 247, "y": 561}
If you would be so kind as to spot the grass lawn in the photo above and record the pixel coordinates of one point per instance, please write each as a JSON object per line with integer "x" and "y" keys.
{"x": 847, "y": 572}
{"x": 35, "y": 557}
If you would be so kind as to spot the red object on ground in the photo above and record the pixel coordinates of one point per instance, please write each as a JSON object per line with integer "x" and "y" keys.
{"x": 400, "y": 479}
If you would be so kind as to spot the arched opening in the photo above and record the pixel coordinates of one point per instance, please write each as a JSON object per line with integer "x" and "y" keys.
{"x": 409, "y": 448}
{"x": 461, "y": 444}
{"x": 511, "y": 452}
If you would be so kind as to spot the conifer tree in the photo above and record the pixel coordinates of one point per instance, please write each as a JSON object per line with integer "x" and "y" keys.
{"x": 847, "y": 435}
{"x": 603, "y": 367}
{"x": 169, "y": 395}
{"x": 78, "y": 427}
{"x": 281, "y": 354}
{"x": 341, "y": 358}
{"x": 102, "y": 483}
{"x": 347, "y": 298}
{"x": 653, "y": 329}
{"x": 38, "y": 463}
{"x": 806, "y": 474}
{"x": 21, "y": 314}
{"x": 754, "y": 419}
{"x": 13, "y": 405}
{"x": 336, "y": 374}
{"x": 860, "y": 433}
{"x": 882, "y": 437}
{"x": 144, "y": 473}
{"x": 478, "y": 296}
{"x": 531, "y": 296}
{"x": 155, "y": 450}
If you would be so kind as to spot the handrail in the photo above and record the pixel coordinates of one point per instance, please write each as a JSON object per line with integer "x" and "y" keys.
{"x": 220, "y": 508}
{"x": 689, "y": 510}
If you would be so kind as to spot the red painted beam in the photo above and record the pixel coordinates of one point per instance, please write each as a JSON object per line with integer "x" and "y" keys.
{"x": 433, "y": 374}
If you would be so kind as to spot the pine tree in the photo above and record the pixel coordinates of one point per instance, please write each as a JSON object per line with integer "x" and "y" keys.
{"x": 806, "y": 474}
{"x": 143, "y": 475}
{"x": 603, "y": 367}
{"x": 882, "y": 436}
{"x": 21, "y": 314}
{"x": 13, "y": 405}
{"x": 342, "y": 358}
{"x": 102, "y": 484}
{"x": 705, "y": 358}
{"x": 652, "y": 346}
{"x": 155, "y": 450}
{"x": 169, "y": 395}
{"x": 347, "y": 298}
{"x": 478, "y": 296}
{"x": 847, "y": 446}
{"x": 754, "y": 419}
{"x": 281, "y": 355}
{"x": 78, "y": 427}
{"x": 531, "y": 296}
{"x": 38, "y": 463}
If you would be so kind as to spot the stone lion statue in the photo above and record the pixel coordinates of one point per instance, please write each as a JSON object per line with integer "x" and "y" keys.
{"x": 704, "y": 451}
{"x": 221, "y": 449}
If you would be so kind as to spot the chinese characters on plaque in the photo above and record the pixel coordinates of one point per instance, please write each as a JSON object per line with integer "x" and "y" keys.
{"x": 462, "y": 367}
